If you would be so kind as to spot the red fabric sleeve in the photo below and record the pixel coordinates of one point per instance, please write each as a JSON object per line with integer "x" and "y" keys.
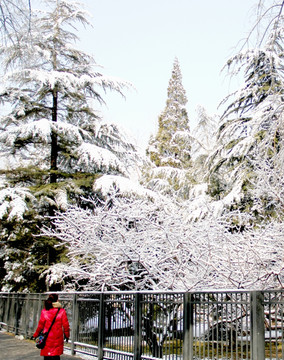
{"x": 65, "y": 325}
{"x": 40, "y": 326}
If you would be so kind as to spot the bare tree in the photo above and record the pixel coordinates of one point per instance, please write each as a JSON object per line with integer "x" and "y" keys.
{"x": 136, "y": 244}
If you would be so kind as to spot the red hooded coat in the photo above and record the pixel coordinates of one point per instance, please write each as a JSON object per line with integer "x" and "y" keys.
{"x": 55, "y": 339}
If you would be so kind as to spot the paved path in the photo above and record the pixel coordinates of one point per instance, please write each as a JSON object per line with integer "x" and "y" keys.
{"x": 12, "y": 348}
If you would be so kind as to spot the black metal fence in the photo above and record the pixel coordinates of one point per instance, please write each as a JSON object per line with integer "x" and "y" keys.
{"x": 168, "y": 325}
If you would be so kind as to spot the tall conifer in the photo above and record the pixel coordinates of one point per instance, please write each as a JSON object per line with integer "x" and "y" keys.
{"x": 169, "y": 151}
{"x": 171, "y": 145}
{"x": 53, "y": 146}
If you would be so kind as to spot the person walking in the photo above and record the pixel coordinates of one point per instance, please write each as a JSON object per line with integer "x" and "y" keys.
{"x": 60, "y": 329}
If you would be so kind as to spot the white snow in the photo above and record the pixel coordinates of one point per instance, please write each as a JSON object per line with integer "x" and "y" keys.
{"x": 126, "y": 187}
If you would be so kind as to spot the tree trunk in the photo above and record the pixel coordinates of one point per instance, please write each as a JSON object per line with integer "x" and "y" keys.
{"x": 54, "y": 145}
{"x": 150, "y": 335}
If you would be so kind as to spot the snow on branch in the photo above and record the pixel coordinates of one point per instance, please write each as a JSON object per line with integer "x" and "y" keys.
{"x": 39, "y": 131}
{"x": 68, "y": 81}
{"x": 90, "y": 156}
{"x": 13, "y": 202}
{"x": 139, "y": 244}
{"x": 107, "y": 184}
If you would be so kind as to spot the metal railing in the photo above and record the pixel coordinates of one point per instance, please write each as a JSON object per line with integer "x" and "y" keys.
{"x": 169, "y": 325}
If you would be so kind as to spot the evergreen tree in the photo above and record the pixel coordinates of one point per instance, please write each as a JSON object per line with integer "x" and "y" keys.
{"x": 53, "y": 144}
{"x": 51, "y": 88}
{"x": 169, "y": 151}
{"x": 204, "y": 137}
{"x": 251, "y": 124}
{"x": 171, "y": 145}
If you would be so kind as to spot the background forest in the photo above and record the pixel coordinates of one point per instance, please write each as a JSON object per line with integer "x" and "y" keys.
{"x": 82, "y": 207}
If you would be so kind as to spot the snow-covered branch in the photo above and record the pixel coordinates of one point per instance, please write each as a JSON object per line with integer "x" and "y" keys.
{"x": 138, "y": 244}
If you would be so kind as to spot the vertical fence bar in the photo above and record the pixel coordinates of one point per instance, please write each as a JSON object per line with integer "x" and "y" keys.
{"x": 101, "y": 334}
{"x": 280, "y": 322}
{"x": 39, "y": 307}
{"x": 187, "y": 327}
{"x": 257, "y": 326}
{"x": 16, "y": 313}
{"x": 137, "y": 327}
{"x": 270, "y": 307}
{"x": 8, "y": 311}
{"x": 26, "y": 315}
{"x": 2, "y": 304}
{"x": 35, "y": 305}
{"x": 75, "y": 317}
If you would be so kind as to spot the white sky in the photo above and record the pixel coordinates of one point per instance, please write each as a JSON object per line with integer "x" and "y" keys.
{"x": 138, "y": 41}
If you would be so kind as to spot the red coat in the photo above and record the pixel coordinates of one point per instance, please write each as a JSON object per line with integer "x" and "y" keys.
{"x": 55, "y": 339}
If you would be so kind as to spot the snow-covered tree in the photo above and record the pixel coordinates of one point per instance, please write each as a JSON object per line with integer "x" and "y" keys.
{"x": 53, "y": 142}
{"x": 269, "y": 184}
{"x": 170, "y": 150}
{"x": 204, "y": 139}
{"x": 204, "y": 135}
{"x": 252, "y": 122}
{"x": 52, "y": 88}
{"x": 171, "y": 145}
{"x": 139, "y": 244}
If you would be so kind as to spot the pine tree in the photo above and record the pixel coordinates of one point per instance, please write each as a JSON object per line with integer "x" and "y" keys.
{"x": 251, "y": 124}
{"x": 53, "y": 144}
{"x": 170, "y": 150}
{"x": 171, "y": 145}
{"x": 51, "y": 99}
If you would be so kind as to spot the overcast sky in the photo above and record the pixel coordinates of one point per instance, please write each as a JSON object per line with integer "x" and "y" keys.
{"x": 138, "y": 41}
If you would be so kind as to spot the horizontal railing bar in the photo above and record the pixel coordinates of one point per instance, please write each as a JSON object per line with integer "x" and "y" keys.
{"x": 86, "y": 345}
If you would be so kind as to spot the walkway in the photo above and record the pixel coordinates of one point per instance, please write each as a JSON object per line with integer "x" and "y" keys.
{"x": 12, "y": 348}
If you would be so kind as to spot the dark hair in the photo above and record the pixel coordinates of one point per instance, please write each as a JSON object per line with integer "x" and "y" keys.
{"x": 52, "y": 298}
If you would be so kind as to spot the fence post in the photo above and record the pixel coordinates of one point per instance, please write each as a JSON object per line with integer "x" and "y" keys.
{"x": 16, "y": 313}
{"x": 137, "y": 327}
{"x": 7, "y": 311}
{"x": 187, "y": 327}
{"x": 101, "y": 327}
{"x": 2, "y": 307}
{"x": 39, "y": 308}
{"x": 75, "y": 323}
{"x": 257, "y": 326}
{"x": 26, "y": 316}
{"x": 37, "y": 313}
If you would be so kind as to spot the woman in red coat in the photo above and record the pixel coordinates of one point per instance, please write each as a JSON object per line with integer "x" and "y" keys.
{"x": 60, "y": 329}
